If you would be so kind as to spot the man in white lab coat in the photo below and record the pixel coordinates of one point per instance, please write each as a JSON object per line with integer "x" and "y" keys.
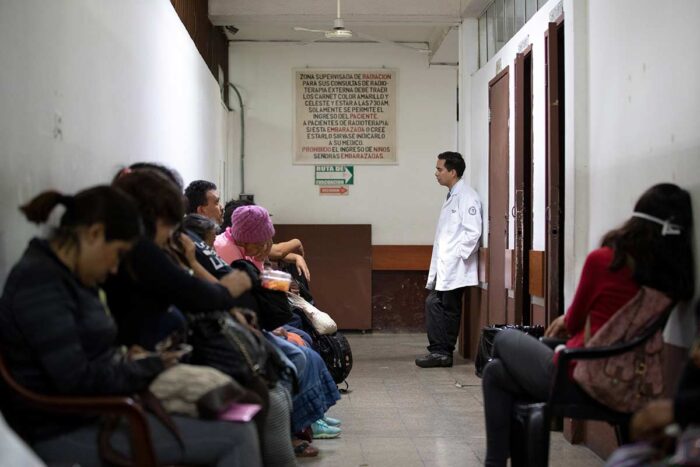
{"x": 454, "y": 264}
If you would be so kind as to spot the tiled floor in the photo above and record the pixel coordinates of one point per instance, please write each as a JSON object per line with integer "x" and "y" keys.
{"x": 400, "y": 415}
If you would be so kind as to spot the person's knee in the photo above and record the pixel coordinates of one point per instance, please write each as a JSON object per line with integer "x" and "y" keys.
{"x": 505, "y": 341}
{"x": 494, "y": 371}
{"x": 432, "y": 302}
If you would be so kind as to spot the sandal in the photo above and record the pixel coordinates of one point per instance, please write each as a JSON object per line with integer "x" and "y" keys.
{"x": 304, "y": 449}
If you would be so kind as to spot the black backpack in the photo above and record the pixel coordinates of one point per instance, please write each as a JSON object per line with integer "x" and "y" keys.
{"x": 336, "y": 353}
{"x": 333, "y": 348}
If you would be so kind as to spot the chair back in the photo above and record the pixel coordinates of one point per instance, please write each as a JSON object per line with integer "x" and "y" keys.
{"x": 141, "y": 444}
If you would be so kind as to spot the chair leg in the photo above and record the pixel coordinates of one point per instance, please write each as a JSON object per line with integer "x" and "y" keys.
{"x": 622, "y": 433}
{"x": 530, "y": 435}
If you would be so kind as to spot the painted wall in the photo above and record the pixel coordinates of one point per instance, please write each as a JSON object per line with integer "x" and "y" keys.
{"x": 89, "y": 86}
{"x": 643, "y": 102}
{"x": 401, "y": 201}
{"x": 631, "y": 118}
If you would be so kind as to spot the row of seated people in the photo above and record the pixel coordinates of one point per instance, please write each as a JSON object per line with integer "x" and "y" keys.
{"x": 651, "y": 249}
{"x": 104, "y": 305}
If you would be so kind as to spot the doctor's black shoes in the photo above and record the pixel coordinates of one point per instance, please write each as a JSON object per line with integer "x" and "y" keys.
{"x": 434, "y": 360}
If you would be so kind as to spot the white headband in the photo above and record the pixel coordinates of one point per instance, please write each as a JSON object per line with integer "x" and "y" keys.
{"x": 667, "y": 228}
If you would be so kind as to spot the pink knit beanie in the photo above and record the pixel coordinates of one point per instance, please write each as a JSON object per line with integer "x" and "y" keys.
{"x": 251, "y": 224}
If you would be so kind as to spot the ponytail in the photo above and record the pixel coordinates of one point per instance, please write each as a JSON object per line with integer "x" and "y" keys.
{"x": 40, "y": 207}
{"x": 105, "y": 205}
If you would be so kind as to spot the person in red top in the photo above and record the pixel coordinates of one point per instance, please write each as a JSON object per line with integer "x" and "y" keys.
{"x": 652, "y": 248}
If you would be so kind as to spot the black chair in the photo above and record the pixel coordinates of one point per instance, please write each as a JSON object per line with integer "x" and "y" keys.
{"x": 530, "y": 422}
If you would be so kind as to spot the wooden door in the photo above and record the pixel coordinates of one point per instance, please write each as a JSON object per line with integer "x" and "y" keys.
{"x": 523, "y": 185}
{"x": 554, "y": 193}
{"x": 498, "y": 196}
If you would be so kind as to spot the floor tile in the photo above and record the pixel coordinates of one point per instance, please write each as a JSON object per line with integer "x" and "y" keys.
{"x": 399, "y": 415}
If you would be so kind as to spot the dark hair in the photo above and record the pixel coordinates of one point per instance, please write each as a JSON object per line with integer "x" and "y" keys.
{"x": 171, "y": 174}
{"x": 663, "y": 262}
{"x": 196, "y": 194}
{"x": 453, "y": 161}
{"x": 198, "y": 224}
{"x": 156, "y": 197}
{"x": 98, "y": 205}
{"x": 231, "y": 206}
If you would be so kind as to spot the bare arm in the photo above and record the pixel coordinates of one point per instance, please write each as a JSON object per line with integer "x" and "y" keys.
{"x": 281, "y": 250}
{"x": 300, "y": 262}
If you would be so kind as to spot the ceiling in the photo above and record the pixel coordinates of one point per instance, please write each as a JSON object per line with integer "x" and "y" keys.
{"x": 425, "y": 24}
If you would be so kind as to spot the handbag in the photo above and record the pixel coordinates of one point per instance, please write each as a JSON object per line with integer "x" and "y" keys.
{"x": 488, "y": 335}
{"x": 195, "y": 391}
{"x": 219, "y": 341}
{"x": 627, "y": 381}
{"x": 336, "y": 354}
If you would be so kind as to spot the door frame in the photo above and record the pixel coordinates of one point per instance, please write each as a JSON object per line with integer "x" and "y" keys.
{"x": 554, "y": 169}
{"x": 523, "y": 184}
{"x": 494, "y": 255}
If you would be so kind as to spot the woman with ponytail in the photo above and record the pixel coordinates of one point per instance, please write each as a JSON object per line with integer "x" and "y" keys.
{"x": 58, "y": 338}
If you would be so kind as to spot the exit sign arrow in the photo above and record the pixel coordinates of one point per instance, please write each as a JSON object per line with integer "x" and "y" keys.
{"x": 334, "y": 175}
{"x": 333, "y": 190}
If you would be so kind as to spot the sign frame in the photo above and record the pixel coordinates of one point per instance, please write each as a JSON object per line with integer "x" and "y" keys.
{"x": 343, "y": 170}
{"x": 394, "y": 71}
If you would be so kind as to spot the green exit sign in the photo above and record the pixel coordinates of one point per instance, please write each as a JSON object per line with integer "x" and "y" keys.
{"x": 335, "y": 175}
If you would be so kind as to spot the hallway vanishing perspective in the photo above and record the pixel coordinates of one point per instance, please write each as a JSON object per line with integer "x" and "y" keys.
{"x": 397, "y": 414}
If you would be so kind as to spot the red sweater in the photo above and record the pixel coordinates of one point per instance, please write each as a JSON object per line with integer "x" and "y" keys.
{"x": 600, "y": 293}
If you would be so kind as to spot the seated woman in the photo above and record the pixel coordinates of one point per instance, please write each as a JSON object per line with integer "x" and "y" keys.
{"x": 141, "y": 294}
{"x": 640, "y": 253}
{"x": 58, "y": 338}
{"x": 250, "y": 237}
{"x": 291, "y": 251}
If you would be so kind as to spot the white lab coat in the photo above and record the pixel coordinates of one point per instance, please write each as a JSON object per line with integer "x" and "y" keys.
{"x": 455, "y": 261}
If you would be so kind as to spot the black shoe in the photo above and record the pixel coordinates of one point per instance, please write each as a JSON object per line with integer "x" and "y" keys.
{"x": 433, "y": 360}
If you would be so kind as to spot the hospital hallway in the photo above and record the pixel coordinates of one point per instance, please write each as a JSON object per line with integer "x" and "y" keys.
{"x": 397, "y": 414}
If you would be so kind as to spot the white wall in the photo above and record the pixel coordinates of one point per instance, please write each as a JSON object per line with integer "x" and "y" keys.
{"x": 402, "y": 201}
{"x": 127, "y": 83}
{"x": 644, "y": 106}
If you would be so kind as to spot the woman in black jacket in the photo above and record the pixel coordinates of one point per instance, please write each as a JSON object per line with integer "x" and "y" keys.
{"x": 58, "y": 338}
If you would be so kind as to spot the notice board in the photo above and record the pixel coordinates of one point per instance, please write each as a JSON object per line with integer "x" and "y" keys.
{"x": 345, "y": 116}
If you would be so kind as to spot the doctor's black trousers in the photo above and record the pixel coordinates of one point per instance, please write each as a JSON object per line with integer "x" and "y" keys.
{"x": 443, "y": 313}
